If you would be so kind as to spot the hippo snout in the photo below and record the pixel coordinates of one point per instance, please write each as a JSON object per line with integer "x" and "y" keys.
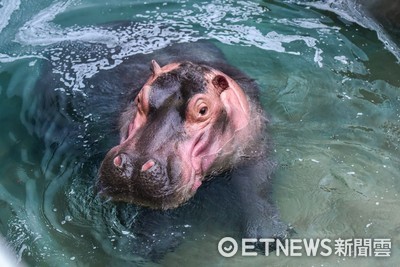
{"x": 135, "y": 168}
{"x": 139, "y": 174}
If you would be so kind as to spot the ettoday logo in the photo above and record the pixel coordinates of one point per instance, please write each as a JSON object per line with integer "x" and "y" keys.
{"x": 227, "y": 247}
{"x": 357, "y": 247}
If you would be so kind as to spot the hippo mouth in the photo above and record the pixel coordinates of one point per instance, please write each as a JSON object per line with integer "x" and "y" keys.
{"x": 110, "y": 194}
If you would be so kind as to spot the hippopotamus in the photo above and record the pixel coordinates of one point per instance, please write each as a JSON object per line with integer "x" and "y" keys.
{"x": 160, "y": 126}
{"x": 191, "y": 120}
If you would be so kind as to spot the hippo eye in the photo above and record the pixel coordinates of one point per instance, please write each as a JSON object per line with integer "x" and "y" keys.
{"x": 200, "y": 109}
{"x": 203, "y": 111}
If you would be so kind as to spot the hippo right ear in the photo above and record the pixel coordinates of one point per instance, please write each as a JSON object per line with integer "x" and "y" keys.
{"x": 220, "y": 83}
{"x": 233, "y": 98}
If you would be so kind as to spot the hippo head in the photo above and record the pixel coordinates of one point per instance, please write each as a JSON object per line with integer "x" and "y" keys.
{"x": 182, "y": 126}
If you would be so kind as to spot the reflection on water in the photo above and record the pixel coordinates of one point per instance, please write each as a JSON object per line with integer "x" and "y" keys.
{"x": 330, "y": 87}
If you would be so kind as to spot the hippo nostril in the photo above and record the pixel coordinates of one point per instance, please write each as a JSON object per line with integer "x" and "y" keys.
{"x": 117, "y": 161}
{"x": 147, "y": 166}
{"x": 120, "y": 160}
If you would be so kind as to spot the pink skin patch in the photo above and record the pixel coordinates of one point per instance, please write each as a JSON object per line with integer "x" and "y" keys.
{"x": 196, "y": 184}
{"x": 204, "y": 146}
{"x": 147, "y": 166}
{"x": 117, "y": 161}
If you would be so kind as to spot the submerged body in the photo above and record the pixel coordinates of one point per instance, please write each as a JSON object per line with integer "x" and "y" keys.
{"x": 190, "y": 121}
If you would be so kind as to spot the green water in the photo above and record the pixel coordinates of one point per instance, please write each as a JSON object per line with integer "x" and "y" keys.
{"x": 330, "y": 87}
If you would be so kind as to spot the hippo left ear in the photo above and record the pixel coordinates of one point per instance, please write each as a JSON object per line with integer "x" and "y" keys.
{"x": 220, "y": 83}
{"x": 155, "y": 68}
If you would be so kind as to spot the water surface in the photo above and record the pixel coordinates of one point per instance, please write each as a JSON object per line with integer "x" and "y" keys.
{"x": 330, "y": 86}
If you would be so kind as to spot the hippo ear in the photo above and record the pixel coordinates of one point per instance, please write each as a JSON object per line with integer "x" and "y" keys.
{"x": 220, "y": 83}
{"x": 155, "y": 68}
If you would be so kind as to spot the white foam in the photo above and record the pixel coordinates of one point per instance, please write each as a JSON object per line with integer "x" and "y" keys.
{"x": 8, "y": 7}
{"x": 318, "y": 57}
{"x": 306, "y": 23}
{"x": 7, "y": 58}
{"x": 224, "y": 21}
{"x": 342, "y": 59}
{"x": 214, "y": 21}
{"x": 40, "y": 31}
